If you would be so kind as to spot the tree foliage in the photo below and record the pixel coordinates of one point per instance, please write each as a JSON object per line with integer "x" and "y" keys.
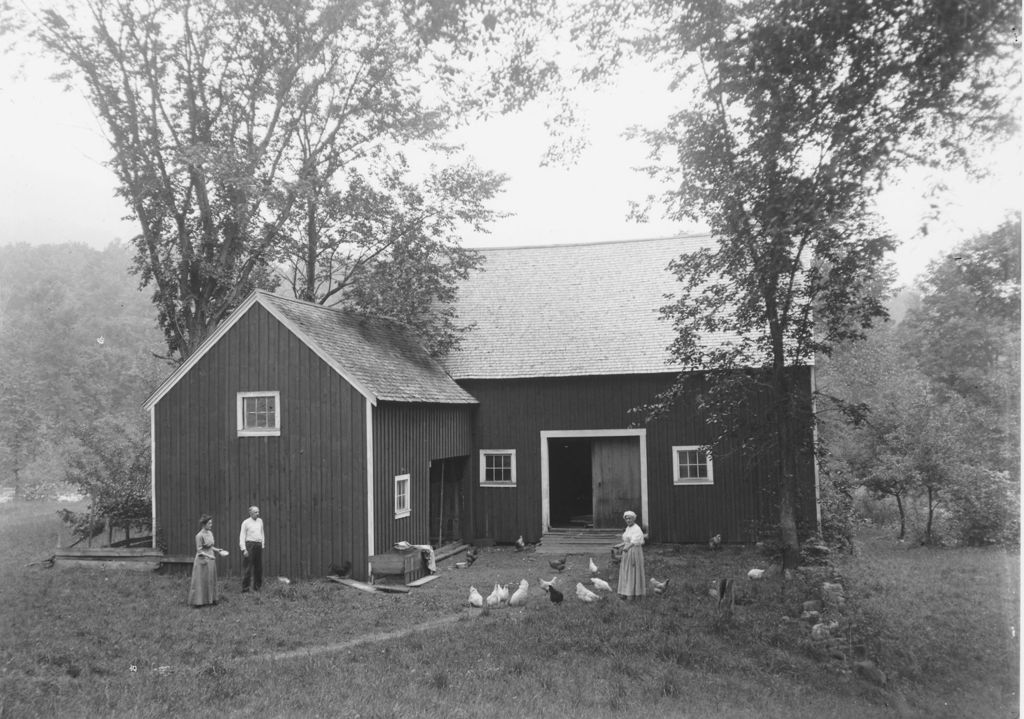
{"x": 966, "y": 330}
{"x": 797, "y": 112}
{"x": 245, "y": 135}
{"x": 936, "y": 399}
{"x": 111, "y": 466}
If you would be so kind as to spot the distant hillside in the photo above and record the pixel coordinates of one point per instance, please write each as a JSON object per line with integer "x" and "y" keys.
{"x": 77, "y": 344}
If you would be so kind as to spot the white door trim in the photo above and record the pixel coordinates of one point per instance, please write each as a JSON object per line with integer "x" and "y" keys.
{"x": 545, "y": 479}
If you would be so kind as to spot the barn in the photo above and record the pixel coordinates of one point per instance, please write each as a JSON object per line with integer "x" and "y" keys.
{"x": 351, "y": 438}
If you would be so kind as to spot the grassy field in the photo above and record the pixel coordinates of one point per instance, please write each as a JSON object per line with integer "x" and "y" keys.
{"x": 941, "y": 623}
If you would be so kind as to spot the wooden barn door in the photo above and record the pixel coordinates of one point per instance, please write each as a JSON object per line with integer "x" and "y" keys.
{"x": 616, "y": 474}
{"x": 446, "y": 499}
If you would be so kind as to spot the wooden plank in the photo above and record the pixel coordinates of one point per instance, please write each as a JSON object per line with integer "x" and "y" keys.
{"x": 107, "y": 565}
{"x": 368, "y": 587}
{"x": 353, "y": 583}
{"x": 126, "y": 553}
{"x": 423, "y": 580}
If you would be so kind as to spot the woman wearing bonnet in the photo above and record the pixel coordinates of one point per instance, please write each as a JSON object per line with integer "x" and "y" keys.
{"x": 632, "y": 579}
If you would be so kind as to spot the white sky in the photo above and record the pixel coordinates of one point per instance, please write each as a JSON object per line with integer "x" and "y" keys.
{"x": 54, "y": 187}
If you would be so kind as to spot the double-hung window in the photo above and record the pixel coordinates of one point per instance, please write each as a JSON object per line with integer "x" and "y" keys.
{"x": 497, "y": 468}
{"x": 259, "y": 414}
{"x": 691, "y": 464}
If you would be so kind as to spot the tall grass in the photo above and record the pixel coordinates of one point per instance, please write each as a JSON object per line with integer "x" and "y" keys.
{"x": 91, "y": 642}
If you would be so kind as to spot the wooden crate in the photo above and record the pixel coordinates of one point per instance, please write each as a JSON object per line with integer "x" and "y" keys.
{"x": 407, "y": 564}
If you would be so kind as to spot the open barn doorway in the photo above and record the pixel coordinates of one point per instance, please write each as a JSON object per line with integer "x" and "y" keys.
{"x": 572, "y": 494}
{"x": 588, "y": 477}
{"x": 446, "y": 499}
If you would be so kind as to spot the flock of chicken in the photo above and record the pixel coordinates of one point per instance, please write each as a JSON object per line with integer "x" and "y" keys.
{"x": 500, "y": 594}
{"x": 721, "y": 589}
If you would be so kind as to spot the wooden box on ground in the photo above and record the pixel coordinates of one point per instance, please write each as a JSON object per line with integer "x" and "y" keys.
{"x": 406, "y": 564}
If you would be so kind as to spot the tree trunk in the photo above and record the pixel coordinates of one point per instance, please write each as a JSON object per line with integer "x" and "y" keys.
{"x": 787, "y": 471}
{"x": 903, "y": 516}
{"x": 931, "y": 514}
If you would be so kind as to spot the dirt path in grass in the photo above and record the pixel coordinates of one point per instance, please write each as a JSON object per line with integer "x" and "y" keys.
{"x": 358, "y": 641}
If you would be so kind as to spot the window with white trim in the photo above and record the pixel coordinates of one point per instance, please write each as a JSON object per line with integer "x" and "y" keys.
{"x": 497, "y": 468}
{"x": 259, "y": 414}
{"x": 691, "y": 464}
{"x": 403, "y": 488}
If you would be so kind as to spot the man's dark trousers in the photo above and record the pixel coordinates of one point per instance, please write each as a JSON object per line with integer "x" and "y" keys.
{"x": 253, "y": 566}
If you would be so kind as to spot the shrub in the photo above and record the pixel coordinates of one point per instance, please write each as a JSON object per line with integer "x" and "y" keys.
{"x": 985, "y": 507}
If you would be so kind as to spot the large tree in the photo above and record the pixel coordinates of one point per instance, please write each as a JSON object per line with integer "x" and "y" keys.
{"x": 234, "y": 123}
{"x": 797, "y": 112}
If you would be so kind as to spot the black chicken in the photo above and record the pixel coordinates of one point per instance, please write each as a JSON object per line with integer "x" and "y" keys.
{"x": 555, "y": 595}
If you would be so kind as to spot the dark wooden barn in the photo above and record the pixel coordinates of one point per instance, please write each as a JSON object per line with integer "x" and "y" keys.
{"x": 335, "y": 425}
{"x": 567, "y": 340}
{"x": 351, "y": 438}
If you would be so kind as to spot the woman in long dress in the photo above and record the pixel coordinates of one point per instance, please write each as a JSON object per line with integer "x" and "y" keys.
{"x": 203, "y": 589}
{"x": 632, "y": 578}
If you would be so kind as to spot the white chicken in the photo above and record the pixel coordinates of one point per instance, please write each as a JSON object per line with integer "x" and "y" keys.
{"x": 593, "y": 567}
{"x": 658, "y": 587}
{"x": 544, "y": 583}
{"x": 519, "y": 597}
{"x": 494, "y": 598}
{"x": 475, "y": 598}
{"x": 601, "y": 584}
{"x": 755, "y": 574}
{"x": 503, "y": 592}
{"x": 585, "y": 595}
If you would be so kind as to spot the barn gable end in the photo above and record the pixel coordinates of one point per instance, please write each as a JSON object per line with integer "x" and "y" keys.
{"x": 309, "y": 481}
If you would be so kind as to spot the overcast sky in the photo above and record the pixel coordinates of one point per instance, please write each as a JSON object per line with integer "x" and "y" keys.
{"x": 55, "y": 188}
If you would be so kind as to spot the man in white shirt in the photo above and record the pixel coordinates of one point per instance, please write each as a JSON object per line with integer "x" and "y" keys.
{"x": 252, "y": 542}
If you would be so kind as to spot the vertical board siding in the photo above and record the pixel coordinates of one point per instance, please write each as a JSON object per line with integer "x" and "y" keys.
{"x": 307, "y": 481}
{"x": 406, "y": 437}
{"x": 513, "y": 413}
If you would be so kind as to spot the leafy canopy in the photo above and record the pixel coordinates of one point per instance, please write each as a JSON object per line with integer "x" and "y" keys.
{"x": 238, "y": 128}
{"x": 796, "y": 113}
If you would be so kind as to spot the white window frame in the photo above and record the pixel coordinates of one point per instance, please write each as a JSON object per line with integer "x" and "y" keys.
{"x": 684, "y": 481}
{"x": 406, "y": 510}
{"x": 483, "y": 467}
{"x": 274, "y": 431}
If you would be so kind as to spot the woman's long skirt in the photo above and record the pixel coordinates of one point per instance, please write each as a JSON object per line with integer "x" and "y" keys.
{"x": 204, "y": 582}
{"x": 632, "y": 578}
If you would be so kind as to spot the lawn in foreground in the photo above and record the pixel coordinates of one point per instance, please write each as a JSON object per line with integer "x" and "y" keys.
{"x": 71, "y": 639}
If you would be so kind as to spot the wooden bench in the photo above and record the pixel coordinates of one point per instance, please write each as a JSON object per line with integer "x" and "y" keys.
{"x": 407, "y": 564}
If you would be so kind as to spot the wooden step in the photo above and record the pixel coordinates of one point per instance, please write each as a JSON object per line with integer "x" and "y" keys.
{"x": 561, "y": 540}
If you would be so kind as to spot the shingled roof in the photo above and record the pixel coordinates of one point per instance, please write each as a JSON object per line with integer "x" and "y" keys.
{"x": 380, "y": 354}
{"x": 570, "y": 310}
{"x": 379, "y": 357}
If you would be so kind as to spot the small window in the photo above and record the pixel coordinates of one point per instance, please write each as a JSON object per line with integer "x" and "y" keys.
{"x": 259, "y": 414}
{"x": 497, "y": 468}
{"x": 692, "y": 465}
{"x": 403, "y": 506}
